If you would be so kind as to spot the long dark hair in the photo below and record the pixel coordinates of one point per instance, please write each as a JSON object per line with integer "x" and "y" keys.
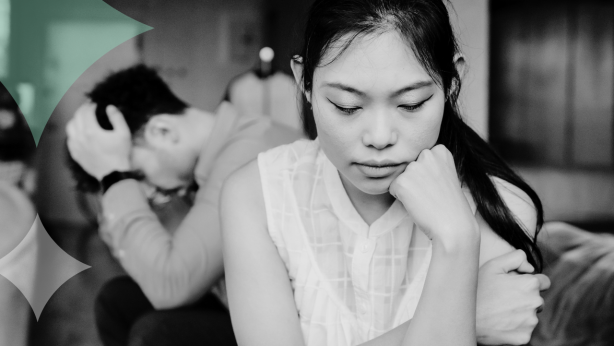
{"x": 425, "y": 26}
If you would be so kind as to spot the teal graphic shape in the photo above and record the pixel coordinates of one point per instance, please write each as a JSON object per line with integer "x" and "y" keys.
{"x": 37, "y": 266}
{"x": 35, "y": 23}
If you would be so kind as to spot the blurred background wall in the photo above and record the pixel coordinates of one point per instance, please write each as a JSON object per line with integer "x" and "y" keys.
{"x": 538, "y": 82}
{"x": 552, "y": 102}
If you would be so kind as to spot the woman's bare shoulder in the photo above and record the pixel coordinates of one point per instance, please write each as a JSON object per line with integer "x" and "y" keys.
{"x": 246, "y": 177}
{"x": 519, "y": 203}
{"x": 242, "y": 195}
{"x": 523, "y": 210}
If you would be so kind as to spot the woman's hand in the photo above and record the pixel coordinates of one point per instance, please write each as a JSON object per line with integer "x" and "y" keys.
{"x": 430, "y": 190}
{"x": 508, "y": 300}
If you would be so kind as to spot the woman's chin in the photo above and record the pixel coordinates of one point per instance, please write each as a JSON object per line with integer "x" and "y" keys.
{"x": 375, "y": 186}
{"x": 367, "y": 185}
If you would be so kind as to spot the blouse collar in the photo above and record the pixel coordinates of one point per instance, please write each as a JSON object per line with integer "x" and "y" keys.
{"x": 345, "y": 210}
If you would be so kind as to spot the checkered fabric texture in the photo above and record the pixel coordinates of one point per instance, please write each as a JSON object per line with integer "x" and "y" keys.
{"x": 352, "y": 282}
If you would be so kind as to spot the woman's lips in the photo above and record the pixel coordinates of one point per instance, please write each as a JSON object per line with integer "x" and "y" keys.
{"x": 378, "y": 170}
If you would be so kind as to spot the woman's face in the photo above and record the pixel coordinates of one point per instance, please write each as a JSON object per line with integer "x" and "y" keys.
{"x": 376, "y": 108}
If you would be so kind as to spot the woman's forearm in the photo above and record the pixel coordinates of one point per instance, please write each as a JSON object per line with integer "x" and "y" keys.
{"x": 445, "y": 314}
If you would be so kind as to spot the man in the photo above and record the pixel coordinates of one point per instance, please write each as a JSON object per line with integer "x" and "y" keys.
{"x": 161, "y": 141}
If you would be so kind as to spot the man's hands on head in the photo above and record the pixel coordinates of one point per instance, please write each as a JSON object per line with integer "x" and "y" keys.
{"x": 99, "y": 151}
{"x": 508, "y": 300}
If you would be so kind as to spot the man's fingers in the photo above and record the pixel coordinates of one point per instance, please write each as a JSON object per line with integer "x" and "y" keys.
{"x": 70, "y": 129}
{"x": 117, "y": 119}
{"x": 89, "y": 119}
{"x": 74, "y": 134}
{"x": 82, "y": 114}
{"x": 544, "y": 282}
{"x": 512, "y": 261}
{"x": 85, "y": 108}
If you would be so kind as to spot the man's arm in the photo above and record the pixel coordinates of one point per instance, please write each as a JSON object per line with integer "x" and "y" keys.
{"x": 172, "y": 270}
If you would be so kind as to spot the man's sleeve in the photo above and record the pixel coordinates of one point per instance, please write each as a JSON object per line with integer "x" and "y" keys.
{"x": 172, "y": 270}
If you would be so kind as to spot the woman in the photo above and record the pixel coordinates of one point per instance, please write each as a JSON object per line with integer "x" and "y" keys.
{"x": 373, "y": 232}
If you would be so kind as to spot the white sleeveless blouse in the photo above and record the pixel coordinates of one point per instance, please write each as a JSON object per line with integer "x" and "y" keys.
{"x": 352, "y": 282}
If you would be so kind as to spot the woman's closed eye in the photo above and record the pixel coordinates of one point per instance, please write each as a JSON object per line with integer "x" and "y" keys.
{"x": 415, "y": 106}
{"x": 345, "y": 109}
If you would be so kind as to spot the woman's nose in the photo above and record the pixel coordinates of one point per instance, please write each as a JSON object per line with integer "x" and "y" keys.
{"x": 380, "y": 132}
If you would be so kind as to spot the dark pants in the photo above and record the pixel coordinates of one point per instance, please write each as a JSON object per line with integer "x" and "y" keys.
{"x": 124, "y": 316}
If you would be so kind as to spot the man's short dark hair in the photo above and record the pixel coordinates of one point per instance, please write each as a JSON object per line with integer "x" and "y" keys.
{"x": 139, "y": 93}
{"x": 16, "y": 140}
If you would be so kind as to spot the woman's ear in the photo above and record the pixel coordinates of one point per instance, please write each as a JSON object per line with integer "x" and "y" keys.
{"x": 459, "y": 63}
{"x": 160, "y": 131}
{"x": 296, "y": 64}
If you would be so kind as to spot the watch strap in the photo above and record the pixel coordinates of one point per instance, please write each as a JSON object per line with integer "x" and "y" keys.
{"x": 117, "y": 176}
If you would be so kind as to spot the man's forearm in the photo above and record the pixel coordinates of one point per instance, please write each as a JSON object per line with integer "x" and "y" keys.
{"x": 171, "y": 270}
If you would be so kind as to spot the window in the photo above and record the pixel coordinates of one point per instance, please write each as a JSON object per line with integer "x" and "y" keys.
{"x": 552, "y": 82}
{"x": 5, "y": 31}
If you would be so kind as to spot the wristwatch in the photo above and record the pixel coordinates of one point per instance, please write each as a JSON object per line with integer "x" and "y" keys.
{"x": 116, "y": 176}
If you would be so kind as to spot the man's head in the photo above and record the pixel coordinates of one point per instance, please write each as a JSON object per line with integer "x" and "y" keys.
{"x": 165, "y": 137}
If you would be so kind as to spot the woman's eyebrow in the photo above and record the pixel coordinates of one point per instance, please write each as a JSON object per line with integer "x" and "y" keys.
{"x": 344, "y": 87}
{"x": 413, "y": 86}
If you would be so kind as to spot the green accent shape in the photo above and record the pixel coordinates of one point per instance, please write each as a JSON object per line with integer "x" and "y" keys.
{"x": 100, "y": 43}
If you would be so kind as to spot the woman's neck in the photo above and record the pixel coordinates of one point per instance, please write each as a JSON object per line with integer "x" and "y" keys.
{"x": 369, "y": 207}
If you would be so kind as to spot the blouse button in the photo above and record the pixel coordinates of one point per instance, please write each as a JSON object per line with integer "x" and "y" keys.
{"x": 365, "y": 248}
